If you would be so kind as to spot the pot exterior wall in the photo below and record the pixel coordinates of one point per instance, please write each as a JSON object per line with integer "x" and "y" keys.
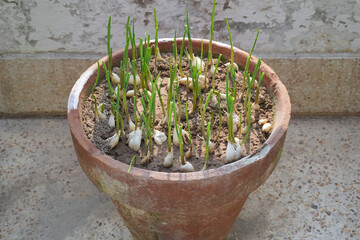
{"x": 199, "y": 205}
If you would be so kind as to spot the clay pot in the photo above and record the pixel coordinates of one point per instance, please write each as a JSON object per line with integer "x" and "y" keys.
{"x": 198, "y": 205}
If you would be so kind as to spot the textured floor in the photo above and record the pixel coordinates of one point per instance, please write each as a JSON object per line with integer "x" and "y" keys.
{"x": 314, "y": 193}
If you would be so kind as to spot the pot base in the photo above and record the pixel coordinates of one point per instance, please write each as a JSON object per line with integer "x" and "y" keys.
{"x": 214, "y": 224}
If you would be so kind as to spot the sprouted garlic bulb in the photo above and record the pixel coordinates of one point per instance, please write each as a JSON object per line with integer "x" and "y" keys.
{"x": 211, "y": 147}
{"x": 214, "y": 100}
{"x": 168, "y": 161}
{"x": 131, "y": 80}
{"x": 198, "y": 63}
{"x": 236, "y": 67}
{"x": 112, "y": 120}
{"x": 131, "y": 126}
{"x": 175, "y": 137}
{"x": 187, "y": 167}
{"x": 223, "y": 96}
{"x": 183, "y": 81}
{"x": 255, "y": 106}
{"x": 134, "y": 139}
{"x": 266, "y": 127}
{"x": 130, "y": 94}
{"x": 188, "y": 154}
{"x": 159, "y": 137}
{"x": 255, "y": 83}
{"x": 212, "y": 69}
{"x": 116, "y": 89}
{"x": 101, "y": 114}
{"x": 115, "y": 79}
{"x": 113, "y": 140}
{"x": 235, "y": 121}
{"x": 233, "y": 151}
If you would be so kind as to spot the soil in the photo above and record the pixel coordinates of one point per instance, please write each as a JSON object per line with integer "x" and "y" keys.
{"x": 98, "y": 131}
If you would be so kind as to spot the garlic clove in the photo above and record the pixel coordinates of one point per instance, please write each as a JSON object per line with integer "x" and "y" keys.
{"x": 212, "y": 70}
{"x": 112, "y": 120}
{"x": 115, "y": 79}
{"x": 101, "y": 115}
{"x": 233, "y": 151}
{"x": 263, "y": 121}
{"x": 113, "y": 140}
{"x": 134, "y": 140}
{"x": 235, "y": 122}
{"x": 175, "y": 138}
{"x": 131, "y": 80}
{"x": 234, "y": 65}
{"x": 211, "y": 147}
{"x": 188, "y": 154}
{"x": 266, "y": 127}
{"x": 130, "y": 94}
{"x": 255, "y": 106}
{"x": 187, "y": 167}
{"x": 198, "y": 63}
{"x": 159, "y": 137}
{"x": 255, "y": 83}
{"x": 214, "y": 100}
{"x": 131, "y": 126}
{"x": 168, "y": 161}
{"x": 223, "y": 96}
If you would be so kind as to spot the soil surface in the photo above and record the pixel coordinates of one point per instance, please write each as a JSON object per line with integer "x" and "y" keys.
{"x": 98, "y": 131}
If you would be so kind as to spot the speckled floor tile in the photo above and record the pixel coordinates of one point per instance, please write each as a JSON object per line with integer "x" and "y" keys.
{"x": 314, "y": 193}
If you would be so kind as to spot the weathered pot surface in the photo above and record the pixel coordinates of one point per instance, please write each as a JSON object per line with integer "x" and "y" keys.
{"x": 198, "y": 205}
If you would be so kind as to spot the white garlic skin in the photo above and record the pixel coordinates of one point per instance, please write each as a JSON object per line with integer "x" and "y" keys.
{"x": 101, "y": 115}
{"x": 175, "y": 138}
{"x": 168, "y": 161}
{"x": 113, "y": 140}
{"x": 131, "y": 80}
{"x": 112, "y": 120}
{"x": 130, "y": 93}
{"x": 212, "y": 70}
{"x": 235, "y": 122}
{"x": 198, "y": 63}
{"x": 187, "y": 167}
{"x": 115, "y": 79}
{"x": 159, "y": 137}
{"x": 266, "y": 127}
{"x": 134, "y": 140}
{"x": 255, "y": 106}
{"x": 233, "y": 151}
{"x": 131, "y": 126}
{"x": 211, "y": 147}
{"x": 236, "y": 67}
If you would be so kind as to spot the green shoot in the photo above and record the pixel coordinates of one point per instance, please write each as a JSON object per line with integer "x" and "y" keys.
{"x": 131, "y": 162}
{"x": 248, "y": 61}
{"x": 109, "y": 49}
{"x": 108, "y": 79}
{"x": 124, "y": 102}
{"x": 175, "y": 49}
{"x": 258, "y": 88}
{"x": 220, "y": 116}
{"x": 179, "y": 134}
{"x": 213, "y": 76}
{"x": 172, "y": 78}
{"x": 203, "y": 110}
{"x": 211, "y": 36}
{"x": 178, "y": 101}
{"x": 207, "y": 148}
{"x": 187, "y": 122}
{"x": 231, "y": 43}
{"x": 211, "y": 122}
{"x": 230, "y": 110}
{"x": 169, "y": 126}
{"x": 181, "y": 54}
{"x": 157, "y": 51}
{"x": 160, "y": 97}
{"x": 133, "y": 47}
{"x": 248, "y": 122}
{"x": 135, "y": 115}
{"x": 190, "y": 49}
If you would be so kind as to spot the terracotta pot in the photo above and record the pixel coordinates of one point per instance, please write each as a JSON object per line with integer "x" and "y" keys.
{"x": 198, "y": 205}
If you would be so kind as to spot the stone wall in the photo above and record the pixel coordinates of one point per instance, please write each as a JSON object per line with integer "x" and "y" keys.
{"x": 314, "y": 46}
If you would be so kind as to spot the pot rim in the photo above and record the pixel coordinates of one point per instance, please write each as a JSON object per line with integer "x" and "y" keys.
{"x": 270, "y": 80}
